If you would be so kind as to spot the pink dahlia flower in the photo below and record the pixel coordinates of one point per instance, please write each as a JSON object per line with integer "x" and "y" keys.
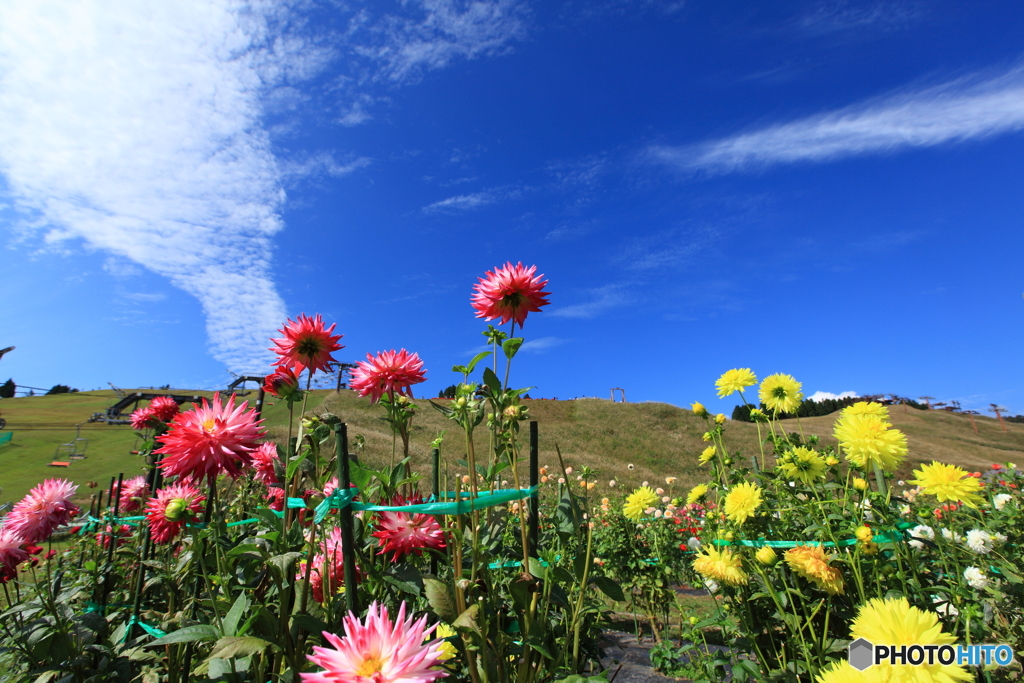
{"x": 209, "y": 440}
{"x": 328, "y": 567}
{"x": 45, "y": 508}
{"x": 143, "y": 419}
{"x": 283, "y": 383}
{"x": 11, "y": 554}
{"x": 277, "y": 498}
{"x": 171, "y": 509}
{"x": 123, "y": 532}
{"x": 164, "y": 408}
{"x": 379, "y": 651}
{"x": 388, "y": 372}
{"x": 134, "y": 493}
{"x": 402, "y": 533}
{"x": 264, "y": 459}
{"x": 307, "y": 343}
{"x": 509, "y": 293}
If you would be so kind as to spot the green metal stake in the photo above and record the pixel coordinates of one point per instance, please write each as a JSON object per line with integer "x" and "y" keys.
{"x": 435, "y": 458}
{"x": 534, "y": 501}
{"x": 348, "y": 542}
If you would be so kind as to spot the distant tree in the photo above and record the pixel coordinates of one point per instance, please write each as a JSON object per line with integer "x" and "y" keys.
{"x": 60, "y": 389}
{"x": 7, "y": 389}
{"x": 449, "y": 392}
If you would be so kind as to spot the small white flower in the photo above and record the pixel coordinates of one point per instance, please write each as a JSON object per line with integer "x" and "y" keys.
{"x": 646, "y": 483}
{"x": 1000, "y": 538}
{"x": 694, "y": 543}
{"x": 901, "y": 483}
{"x": 649, "y": 511}
{"x": 979, "y": 541}
{"x": 659, "y": 491}
{"x": 976, "y": 578}
{"x": 666, "y": 499}
{"x": 944, "y": 607}
{"x": 921, "y": 531}
{"x": 865, "y": 505}
{"x": 668, "y": 514}
{"x": 629, "y": 466}
{"x": 950, "y": 535}
{"x": 711, "y": 586}
{"x": 1001, "y": 500}
{"x": 568, "y": 470}
{"x": 658, "y": 513}
{"x": 611, "y": 484}
{"x": 905, "y": 510}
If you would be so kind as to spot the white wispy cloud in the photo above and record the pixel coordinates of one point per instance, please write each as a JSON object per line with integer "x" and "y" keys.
{"x": 822, "y": 395}
{"x": 475, "y": 200}
{"x": 542, "y": 344}
{"x": 968, "y": 108}
{"x": 601, "y": 300}
{"x": 322, "y": 163}
{"x": 136, "y": 128}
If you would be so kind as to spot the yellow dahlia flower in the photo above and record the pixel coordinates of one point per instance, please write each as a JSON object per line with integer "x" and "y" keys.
{"x": 638, "y": 501}
{"x": 766, "y": 555}
{"x": 863, "y": 533}
{"x": 866, "y": 408}
{"x": 708, "y": 453}
{"x": 781, "y": 393}
{"x": 868, "y": 440}
{"x": 895, "y": 622}
{"x": 860, "y": 484}
{"x": 810, "y": 562}
{"x": 948, "y": 482}
{"x": 448, "y": 649}
{"x": 720, "y": 419}
{"x": 742, "y": 501}
{"x": 735, "y": 380}
{"x": 720, "y": 565}
{"x": 698, "y": 409}
{"x": 697, "y": 494}
{"x": 842, "y": 672}
{"x": 804, "y": 464}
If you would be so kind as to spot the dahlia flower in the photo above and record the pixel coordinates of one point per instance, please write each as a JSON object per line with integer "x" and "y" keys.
{"x": 1000, "y": 500}
{"x": 697, "y": 494}
{"x": 866, "y": 408}
{"x": 948, "y": 482}
{"x": 328, "y": 566}
{"x": 698, "y": 409}
{"x": 810, "y": 562}
{"x": 264, "y": 460}
{"x": 742, "y": 501}
{"x": 283, "y": 383}
{"x": 45, "y": 508}
{"x": 379, "y": 650}
{"x": 894, "y": 622}
{"x": 803, "y": 464}
{"x": 307, "y": 343}
{"x": 781, "y": 393}
{"x": 401, "y": 533}
{"x": 164, "y": 408}
{"x": 171, "y": 509}
{"x": 766, "y": 555}
{"x": 134, "y": 493}
{"x": 143, "y": 419}
{"x": 276, "y": 500}
{"x": 868, "y": 440}
{"x": 11, "y": 554}
{"x": 976, "y": 578}
{"x": 123, "y": 533}
{"x": 388, "y": 372}
{"x": 209, "y": 440}
{"x": 735, "y": 380}
{"x": 509, "y": 293}
{"x": 720, "y": 565}
{"x": 708, "y": 453}
{"x": 638, "y": 502}
{"x": 980, "y": 541}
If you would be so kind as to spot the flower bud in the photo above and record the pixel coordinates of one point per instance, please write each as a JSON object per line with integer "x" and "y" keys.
{"x": 766, "y": 555}
{"x": 860, "y": 484}
{"x": 176, "y": 509}
{"x": 720, "y": 419}
{"x": 699, "y": 410}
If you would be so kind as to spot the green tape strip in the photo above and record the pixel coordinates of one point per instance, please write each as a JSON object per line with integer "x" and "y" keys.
{"x": 485, "y": 499}
{"x": 888, "y": 537}
{"x": 151, "y": 630}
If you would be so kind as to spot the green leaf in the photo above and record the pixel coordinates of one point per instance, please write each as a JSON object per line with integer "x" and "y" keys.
{"x": 189, "y": 634}
{"x": 492, "y": 382}
{"x": 440, "y": 599}
{"x": 609, "y": 588}
{"x": 283, "y": 563}
{"x": 235, "y": 646}
{"x": 310, "y": 624}
{"x": 444, "y": 410}
{"x": 467, "y": 620}
{"x": 234, "y": 615}
{"x": 476, "y": 359}
{"x": 294, "y": 465}
{"x": 511, "y": 346}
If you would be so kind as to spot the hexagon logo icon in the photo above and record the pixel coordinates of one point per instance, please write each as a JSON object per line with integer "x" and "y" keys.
{"x": 861, "y": 654}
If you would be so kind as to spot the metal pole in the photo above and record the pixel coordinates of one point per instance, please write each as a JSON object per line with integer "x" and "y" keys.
{"x": 534, "y": 501}
{"x": 348, "y": 543}
{"x": 435, "y": 459}
{"x": 259, "y": 403}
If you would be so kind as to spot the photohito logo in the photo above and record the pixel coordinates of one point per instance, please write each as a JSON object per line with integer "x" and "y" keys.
{"x": 863, "y": 654}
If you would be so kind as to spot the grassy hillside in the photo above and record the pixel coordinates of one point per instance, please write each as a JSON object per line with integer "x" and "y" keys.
{"x": 658, "y": 439}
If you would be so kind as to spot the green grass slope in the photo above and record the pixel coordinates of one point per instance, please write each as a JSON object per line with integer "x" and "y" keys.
{"x": 659, "y": 440}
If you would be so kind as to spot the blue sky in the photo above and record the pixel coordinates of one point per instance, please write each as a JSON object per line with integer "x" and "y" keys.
{"x": 827, "y": 189}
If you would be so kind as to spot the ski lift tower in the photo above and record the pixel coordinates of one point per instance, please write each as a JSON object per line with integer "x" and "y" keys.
{"x": 999, "y": 410}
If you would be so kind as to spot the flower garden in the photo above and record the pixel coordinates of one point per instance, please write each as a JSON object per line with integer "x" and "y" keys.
{"x": 239, "y": 559}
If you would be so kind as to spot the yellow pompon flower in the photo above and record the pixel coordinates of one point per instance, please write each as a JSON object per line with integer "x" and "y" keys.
{"x": 638, "y": 501}
{"x": 810, "y": 562}
{"x": 831, "y": 461}
{"x": 866, "y": 408}
{"x": 720, "y": 419}
{"x": 448, "y": 649}
{"x": 948, "y": 482}
{"x": 696, "y": 494}
{"x": 895, "y": 622}
{"x": 766, "y": 555}
{"x": 804, "y": 464}
{"x": 757, "y": 415}
{"x": 860, "y": 484}
{"x": 742, "y": 501}
{"x": 706, "y": 436}
{"x": 863, "y": 533}
{"x": 670, "y": 480}
{"x": 720, "y": 565}
{"x": 698, "y": 409}
{"x": 868, "y": 441}
{"x": 781, "y": 393}
{"x": 735, "y": 380}
{"x": 708, "y": 453}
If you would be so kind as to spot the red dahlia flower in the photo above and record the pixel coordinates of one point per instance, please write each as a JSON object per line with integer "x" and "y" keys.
{"x": 307, "y": 343}
{"x": 143, "y": 419}
{"x": 204, "y": 442}
{"x": 264, "y": 459}
{"x": 389, "y": 371}
{"x": 328, "y": 567}
{"x": 402, "y": 533}
{"x": 123, "y": 532}
{"x": 171, "y": 509}
{"x": 509, "y": 293}
{"x": 134, "y": 493}
{"x": 164, "y": 408}
{"x": 283, "y": 383}
{"x": 45, "y": 508}
{"x": 11, "y": 554}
